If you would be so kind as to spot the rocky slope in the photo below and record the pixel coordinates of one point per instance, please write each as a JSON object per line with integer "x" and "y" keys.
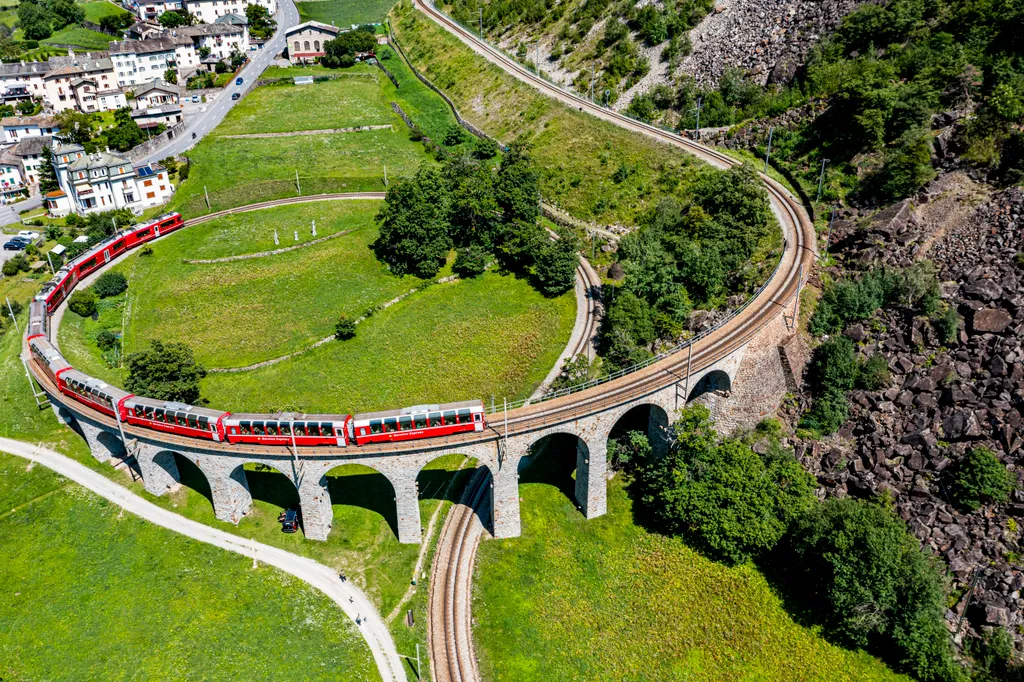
{"x": 943, "y": 400}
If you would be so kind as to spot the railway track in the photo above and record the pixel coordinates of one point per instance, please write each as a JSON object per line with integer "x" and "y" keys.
{"x": 449, "y": 630}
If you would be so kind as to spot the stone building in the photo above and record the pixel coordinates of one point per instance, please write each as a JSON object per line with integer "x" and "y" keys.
{"x": 104, "y": 181}
{"x": 305, "y": 42}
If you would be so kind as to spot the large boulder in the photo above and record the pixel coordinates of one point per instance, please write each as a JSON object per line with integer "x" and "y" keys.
{"x": 993, "y": 320}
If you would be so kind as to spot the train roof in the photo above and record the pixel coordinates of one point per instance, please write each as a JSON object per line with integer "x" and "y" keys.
{"x": 174, "y": 406}
{"x": 287, "y": 416}
{"x": 49, "y": 353}
{"x": 94, "y": 383}
{"x": 422, "y": 409}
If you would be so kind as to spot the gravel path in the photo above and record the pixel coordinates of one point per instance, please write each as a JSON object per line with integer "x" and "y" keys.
{"x": 351, "y": 600}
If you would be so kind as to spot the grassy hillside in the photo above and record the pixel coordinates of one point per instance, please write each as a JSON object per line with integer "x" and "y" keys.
{"x": 591, "y": 168}
{"x": 344, "y": 12}
{"x": 603, "y": 599}
{"x": 77, "y": 570}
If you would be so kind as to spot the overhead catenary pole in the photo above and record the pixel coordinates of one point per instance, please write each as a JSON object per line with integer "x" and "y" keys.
{"x": 821, "y": 178}
{"x": 481, "y": 23}
{"x": 828, "y": 237}
{"x": 385, "y": 175}
{"x": 592, "y": 72}
{"x": 696, "y": 128}
{"x": 298, "y": 186}
{"x": 768, "y": 153}
{"x": 207, "y": 194}
{"x": 11, "y": 311}
{"x": 50, "y": 262}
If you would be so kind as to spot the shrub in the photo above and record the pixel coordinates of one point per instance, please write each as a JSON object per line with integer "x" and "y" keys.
{"x": 107, "y": 340}
{"x": 167, "y": 371}
{"x": 873, "y": 585}
{"x": 11, "y": 268}
{"x": 723, "y": 496}
{"x": 978, "y": 478}
{"x": 873, "y": 373}
{"x": 833, "y": 365}
{"x": 828, "y": 413}
{"x": 83, "y": 303}
{"x": 345, "y": 328}
{"x": 485, "y": 148}
{"x": 575, "y": 371}
{"x": 946, "y": 324}
{"x": 470, "y": 261}
{"x": 146, "y": 250}
{"x": 14, "y": 307}
{"x": 454, "y": 135}
{"x": 555, "y": 266}
{"x": 110, "y": 284}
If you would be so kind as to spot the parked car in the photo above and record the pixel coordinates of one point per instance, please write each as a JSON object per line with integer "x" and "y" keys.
{"x": 29, "y": 234}
{"x": 289, "y": 521}
{"x": 195, "y": 98}
{"x": 238, "y": 81}
{"x": 16, "y": 244}
{"x": 236, "y": 96}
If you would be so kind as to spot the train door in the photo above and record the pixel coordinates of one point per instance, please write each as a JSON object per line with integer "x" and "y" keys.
{"x": 106, "y": 255}
{"x": 156, "y": 231}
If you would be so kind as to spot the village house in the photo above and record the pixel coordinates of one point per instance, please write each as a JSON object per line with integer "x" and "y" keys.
{"x": 154, "y": 94}
{"x": 167, "y": 114}
{"x": 103, "y": 181}
{"x": 208, "y": 11}
{"x": 21, "y": 80}
{"x": 86, "y": 83}
{"x": 17, "y": 128}
{"x": 151, "y": 9}
{"x": 221, "y": 39}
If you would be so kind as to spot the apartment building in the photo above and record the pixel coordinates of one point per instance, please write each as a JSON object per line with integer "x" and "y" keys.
{"x": 103, "y": 181}
{"x": 208, "y": 11}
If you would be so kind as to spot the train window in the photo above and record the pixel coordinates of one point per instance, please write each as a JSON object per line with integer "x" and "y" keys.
{"x": 138, "y": 410}
{"x": 327, "y": 429}
{"x": 192, "y": 422}
{"x": 271, "y": 428}
{"x": 435, "y": 418}
{"x": 391, "y": 424}
{"x": 421, "y": 421}
{"x": 245, "y": 428}
{"x": 149, "y": 413}
{"x": 300, "y": 428}
{"x": 464, "y": 417}
{"x": 286, "y": 430}
{"x": 476, "y": 416}
{"x": 257, "y": 428}
{"x": 362, "y": 430}
{"x": 234, "y": 431}
{"x": 405, "y": 423}
{"x": 375, "y": 426}
{"x": 159, "y": 416}
{"x": 204, "y": 423}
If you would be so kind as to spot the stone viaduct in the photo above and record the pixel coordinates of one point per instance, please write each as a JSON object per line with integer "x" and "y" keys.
{"x": 739, "y": 388}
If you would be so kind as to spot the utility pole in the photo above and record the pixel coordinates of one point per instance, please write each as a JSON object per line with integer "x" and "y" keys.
{"x": 418, "y": 661}
{"x": 385, "y": 175}
{"x": 297, "y": 185}
{"x": 50, "y": 262}
{"x": 828, "y": 237}
{"x": 481, "y": 23}
{"x": 536, "y": 55}
{"x": 769, "y": 152}
{"x": 696, "y": 129}
{"x": 591, "y": 82}
{"x": 15, "y": 320}
{"x": 821, "y": 178}
{"x": 207, "y": 194}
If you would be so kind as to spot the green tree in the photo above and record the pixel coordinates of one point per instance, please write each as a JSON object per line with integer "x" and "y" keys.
{"x": 110, "y": 284}
{"x": 873, "y": 585}
{"x": 828, "y": 412}
{"x": 472, "y": 208}
{"x": 35, "y": 21}
{"x": 833, "y": 365}
{"x": 341, "y": 51}
{"x": 555, "y": 265}
{"x": 632, "y": 316}
{"x": 167, "y": 371}
{"x": 47, "y": 173}
{"x": 126, "y": 134}
{"x": 453, "y": 135}
{"x": 575, "y": 371}
{"x": 413, "y": 224}
{"x": 261, "y": 25}
{"x": 83, "y": 302}
{"x": 27, "y": 107}
{"x": 721, "y": 495}
{"x": 517, "y": 188}
{"x": 176, "y": 18}
{"x": 115, "y": 23}
{"x": 345, "y": 328}
{"x": 65, "y": 13}
{"x": 76, "y": 127}
{"x": 978, "y": 478}
{"x": 470, "y": 261}
{"x": 170, "y": 76}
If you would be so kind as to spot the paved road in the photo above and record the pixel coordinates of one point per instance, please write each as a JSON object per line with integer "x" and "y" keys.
{"x": 286, "y": 17}
{"x": 351, "y": 600}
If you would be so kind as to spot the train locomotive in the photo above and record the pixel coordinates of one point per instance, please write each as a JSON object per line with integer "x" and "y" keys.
{"x": 290, "y": 429}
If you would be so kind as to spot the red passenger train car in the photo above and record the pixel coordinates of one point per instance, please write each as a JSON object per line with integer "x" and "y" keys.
{"x": 68, "y": 276}
{"x": 90, "y": 391}
{"x": 421, "y": 421}
{"x": 173, "y": 417}
{"x": 288, "y": 428}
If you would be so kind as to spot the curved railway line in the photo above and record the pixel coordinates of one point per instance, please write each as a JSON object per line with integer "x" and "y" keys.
{"x": 449, "y": 628}
{"x": 452, "y": 657}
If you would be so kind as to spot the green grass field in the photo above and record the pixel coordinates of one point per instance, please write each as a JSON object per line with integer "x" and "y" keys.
{"x": 94, "y": 593}
{"x": 235, "y": 172}
{"x": 578, "y": 154}
{"x": 83, "y": 38}
{"x": 94, "y": 11}
{"x": 345, "y": 12}
{"x": 341, "y": 103}
{"x": 603, "y": 599}
{"x": 493, "y": 335}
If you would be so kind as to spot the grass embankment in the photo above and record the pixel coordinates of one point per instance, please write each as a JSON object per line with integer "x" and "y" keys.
{"x": 241, "y": 171}
{"x": 591, "y": 168}
{"x": 94, "y": 11}
{"x": 344, "y": 12}
{"x": 493, "y": 335}
{"x": 77, "y": 570}
{"x": 603, "y": 599}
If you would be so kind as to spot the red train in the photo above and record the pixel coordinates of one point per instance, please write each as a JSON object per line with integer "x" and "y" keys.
{"x": 60, "y": 287}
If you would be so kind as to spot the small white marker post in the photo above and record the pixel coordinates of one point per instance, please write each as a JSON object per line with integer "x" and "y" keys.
{"x": 314, "y": 228}
{"x": 207, "y": 194}
{"x": 296, "y": 232}
{"x": 253, "y": 541}
{"x": 277, "y": 242}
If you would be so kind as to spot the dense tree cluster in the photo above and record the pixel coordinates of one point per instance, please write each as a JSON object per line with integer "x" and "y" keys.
{"x": 176, "y": 18}
{"x": 261, "y": 25}
{"x": 684, "y": 255}
{"x": 40, "y": 19}
{"x": 463, "y": 204}
{"x": 166, "y": 371}
{"x": 341, "y": 51}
